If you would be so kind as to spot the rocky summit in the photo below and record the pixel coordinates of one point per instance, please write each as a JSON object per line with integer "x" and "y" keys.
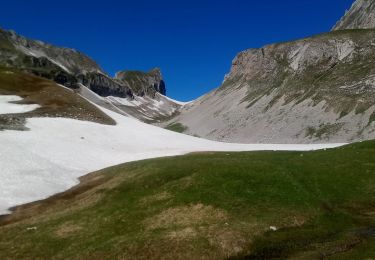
{"x": 58, "y": 64}
{"x": 318, "y": 89}
{"x": 143, "y": 83}
{"x": 360, "y": 16}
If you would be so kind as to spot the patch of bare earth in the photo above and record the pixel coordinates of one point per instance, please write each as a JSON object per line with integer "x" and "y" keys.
{"x": 197, "y": 214}
{"x": 156, "y": 198}
{"x": 197, "y": 222}
{"x": 67, "y": 229}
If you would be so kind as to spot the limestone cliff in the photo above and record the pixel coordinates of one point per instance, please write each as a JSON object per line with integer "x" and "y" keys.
{"x": 360, "y": 16}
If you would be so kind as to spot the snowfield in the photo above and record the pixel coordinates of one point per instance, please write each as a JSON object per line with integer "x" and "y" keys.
{"x": 9, "y": 108}
{"x": 50, "y": 157}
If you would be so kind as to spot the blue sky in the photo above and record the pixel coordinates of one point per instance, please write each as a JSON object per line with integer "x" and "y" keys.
{"x": 192, "y": 41}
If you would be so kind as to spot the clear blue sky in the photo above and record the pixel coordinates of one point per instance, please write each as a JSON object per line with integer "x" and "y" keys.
{"x": 192, "y": 41}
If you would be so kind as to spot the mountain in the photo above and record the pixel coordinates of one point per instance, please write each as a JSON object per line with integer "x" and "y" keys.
{"x": 143, "y": 83}
{"x": 133, "y": 93}
{"x": 58, "y": 64}
{"x": 360, "y": 16}
{"x": 70, "y": 60}
{"x": 318, "y": 89}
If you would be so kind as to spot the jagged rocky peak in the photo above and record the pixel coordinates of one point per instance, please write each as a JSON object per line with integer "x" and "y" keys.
{"x": 70, "y": 60}
{"x": 360, "y": 16}
{"x": 143, "y": 83}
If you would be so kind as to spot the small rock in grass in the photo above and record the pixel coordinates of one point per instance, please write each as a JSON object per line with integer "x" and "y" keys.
{"x": 273, "y": 228}
{"x": 31, "y": 228}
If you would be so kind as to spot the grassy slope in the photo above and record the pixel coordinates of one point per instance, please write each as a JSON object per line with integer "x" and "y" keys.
{"x": 176, "y": 127}
{"x": 213, "y": 205}
{"x": 55, "y": 101}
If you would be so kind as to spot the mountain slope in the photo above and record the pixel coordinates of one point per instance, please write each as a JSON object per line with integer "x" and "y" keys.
{"x": 75, "y": 70}
{"x": 145, "y": 108}
{"x": 259, "y": 205}
{"x": 360, "y": 16}
{"x": 68, "y": 59}
{"x": 319, "y": 89}
{"x": 50, "y": 99}
{"x": 58, "y": 64}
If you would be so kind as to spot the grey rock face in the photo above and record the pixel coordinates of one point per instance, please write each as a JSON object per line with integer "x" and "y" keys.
{"x": 65, "y": 66}
{"x": 104, "y": 85}
{"x": 360, "y": 16}
{"x": 43, "y": 67}
{"x": 70, "y": 60}
{"x": 319, "y": 89}
{"x": 143, "y": 83}
{"x": 70, "y": 67}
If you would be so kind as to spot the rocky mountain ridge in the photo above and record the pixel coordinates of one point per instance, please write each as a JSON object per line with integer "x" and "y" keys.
{"x": 318, "y": 89}
{"x": 70, "y": 67}
{"x": 133, "y": 91}
{"x": 360, "y": 16}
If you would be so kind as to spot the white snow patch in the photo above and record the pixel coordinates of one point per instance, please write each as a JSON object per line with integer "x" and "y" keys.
{"x": 59, "y": 64}
{"x": 154, "y": 108}
{"x": 158, "y": 103}
{"x": 9, "y": 108}
{"x": 121, "y": 101}
{"x": 51, "y": 157}
{"x": 174, "y": 101}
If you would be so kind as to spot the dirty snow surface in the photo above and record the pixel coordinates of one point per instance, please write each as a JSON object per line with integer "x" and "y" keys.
{"x": 50, "y": 157}
{"x": 10, "y": 108}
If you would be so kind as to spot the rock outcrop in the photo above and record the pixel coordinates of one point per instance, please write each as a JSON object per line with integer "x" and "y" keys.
{"x": 105, "y": 86}
{"x": 360, "y": 16}
{"x": 15, "y": 46}
{"x": 143, "y": 83}
{"x": 319, "y": 89}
